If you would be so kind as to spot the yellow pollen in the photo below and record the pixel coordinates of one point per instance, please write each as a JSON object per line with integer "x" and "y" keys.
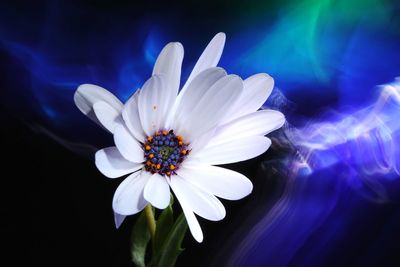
{"x": 148, "y": 163}
{"x": 184, "y": 152}
{"x": 168, "y": 173}
{"x": 150, "y": 138}
{"x": 151, "y": 156}
{"x": 180, "y": 138}
{"x": 148, "y": 147}
{"x": 158, "y": 166}
{"x": 180, "y": 143}
{"x": 164, "y": 132}
{"x": 171, "y": 167}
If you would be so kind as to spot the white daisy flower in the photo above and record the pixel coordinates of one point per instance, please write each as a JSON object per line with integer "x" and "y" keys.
{"x": 168, "y": 140}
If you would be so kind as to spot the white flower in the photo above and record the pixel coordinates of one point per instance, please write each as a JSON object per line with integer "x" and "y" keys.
{"x": 165, "y": 140}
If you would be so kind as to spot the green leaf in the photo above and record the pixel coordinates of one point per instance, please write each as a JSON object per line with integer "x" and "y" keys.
{"x": 139, "y": 240}
{"x": 171, "y": 247}
{"x": 164, "y": 225}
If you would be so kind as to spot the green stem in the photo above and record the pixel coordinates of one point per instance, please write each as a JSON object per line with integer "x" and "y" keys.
{"x": 151, "y": 224}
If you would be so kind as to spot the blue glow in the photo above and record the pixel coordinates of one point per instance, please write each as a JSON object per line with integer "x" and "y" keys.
{"x": 365, "y": 141}
{"x": 339, "y": 155}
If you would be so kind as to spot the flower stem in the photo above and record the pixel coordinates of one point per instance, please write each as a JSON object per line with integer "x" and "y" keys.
{"x": 151, "y": 224}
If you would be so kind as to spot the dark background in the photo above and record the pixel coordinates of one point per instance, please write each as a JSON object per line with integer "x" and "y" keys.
{"x": 56, "y": 207}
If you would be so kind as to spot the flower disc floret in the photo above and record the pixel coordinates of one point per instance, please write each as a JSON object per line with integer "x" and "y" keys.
{"x": 164, "y": 152}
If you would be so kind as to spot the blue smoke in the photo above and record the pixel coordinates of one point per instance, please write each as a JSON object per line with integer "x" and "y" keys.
{"x": 344, "y": 162}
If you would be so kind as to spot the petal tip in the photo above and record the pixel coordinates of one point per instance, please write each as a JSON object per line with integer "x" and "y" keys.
{"x": 176, "y": 45}
{"x": 157, "y": 204}
{"x": 221, "y": 35}
{"x": 235, "y": 77}
{"x": 249, "y": 189}
{"x": 264, "y": 77}
{"x": 199, "y": 238}
{"x": 118, "y": 219}
{"x": 217, "y": 69}
{"x": 98, "y": 159}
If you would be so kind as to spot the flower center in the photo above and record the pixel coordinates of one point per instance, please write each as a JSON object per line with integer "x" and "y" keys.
{"x": 164, "y": 152}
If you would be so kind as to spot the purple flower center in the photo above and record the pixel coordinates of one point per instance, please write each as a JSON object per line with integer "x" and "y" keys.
{"x": 164, "y": 152}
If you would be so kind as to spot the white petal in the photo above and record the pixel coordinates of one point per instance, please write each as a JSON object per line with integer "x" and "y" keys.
{"x": 209, "y": 58}
{"x": 108, "y": 116}
{"x": 128, "y": 198}
{"x": 193, "y": 223}
{"x": 209, "y": 108}
{"x": 257, "y": 123}
{"x": 118, "y": 219}
{"x": 157, "y": 191}
{"x": 201, "y": 202}
{"x": 112, "y": 164}
{"x": 127, "y": 145}
{"x": 88, "y": 94}
{"x": 203, "y": 82}
{"x": 218, "y": 181}
{"x": 153, "y": 104}
{"x": 256, "y": 90}
{"x": 238, "y": 150}
{"x": 169, "y": 63}
{"x": 130, "y": 114}
{"x": 201, "y": 141}
{"x": 191, "y": 219}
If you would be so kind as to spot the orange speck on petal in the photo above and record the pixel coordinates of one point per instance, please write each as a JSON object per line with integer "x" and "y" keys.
{"x": 171, "y": 167}
{"x": 151, "y": 156}
{"x": 148, "y": 163}
{"x": 150, "y": 138}
{"x": 184, "y": 151}
{"x": 158, "y": 166}
{"x": 164, "y": 132}
{"x": 180, "y": 138}
{"x": 168, "y": 173}
{"x": 180, "y": 143}
{"x": 148, "y": 147}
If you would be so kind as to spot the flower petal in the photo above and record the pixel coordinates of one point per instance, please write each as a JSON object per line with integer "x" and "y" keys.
{"x": 254, "y": 124}
{"x": 201, "y": 141}
{"x": 209, "y": 108}
{"x": 153, "y": 104}
{"x": 201, "y": 202}
{"x": 191, "y": 219}
{"x": 118, "y": 219}
{"x": 256, "y": 90}
{"x": 156, "y": 191}
{"x": 112, "y": 164}
{"x": 128, "y": 198}
{"x": 218, "y": 181}
{"x": 108, "y": 116}
{"x": 88, "y": 94}
{"x": 234, "y": 151}
{"x": 130, "y": 114}
{"x": 169, "y": 63}
{"x": 193, "y": 223}
{"x": 127, "y": 145}
{"x": 203, "y": 82}
{"x": 209, "y": 58}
